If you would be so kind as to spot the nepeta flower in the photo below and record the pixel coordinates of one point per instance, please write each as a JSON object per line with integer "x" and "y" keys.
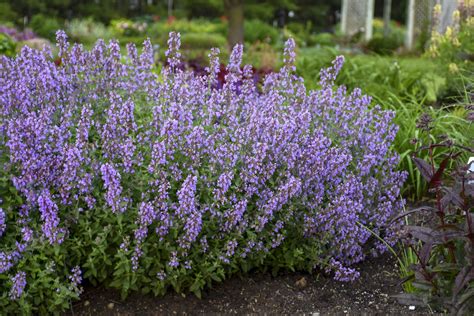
{"x": 76, "y": 279}
{"x": 342, "y": 273}
{"x": 173, "y": 54}
{"x": 6, "y": 261}
{"x": 27, "y": 234}
{"x": 223, "y": 185}
{"x": 174, "y": 262}
{"x": 19, "y": 283}
{"x": 218, "y": 164}
{"x": 49, "y": 215}
{"x": 111, "y": 179}
{"x": 3, "y": 224}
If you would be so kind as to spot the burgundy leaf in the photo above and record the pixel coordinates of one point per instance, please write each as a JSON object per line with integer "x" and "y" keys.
{"x": 420, "y": 274}
{"x": 424, "y": 234}
{"x": 406, "y": 279}
{"x": 410, "y": 299}
{"x": 449, "y": 227}
{"x": 469, "y": 222}
{"x": 418, "y": 209}
{"x": 466, "y": 297}
{"x": 422, "y": 285}
{"x": 462, "y": 279}
{"x": 444, "y": 236}
{"x": 435, "y": 180}
{"x": 445, "y": 267}
{"x": 469, "y": 189}
{"x": 423, "y": 167}
{"x": 425, "y": 252}
{"x": 452, "y": 195}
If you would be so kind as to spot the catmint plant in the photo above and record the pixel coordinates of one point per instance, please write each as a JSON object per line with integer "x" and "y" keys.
{"x": 151, "y": 182}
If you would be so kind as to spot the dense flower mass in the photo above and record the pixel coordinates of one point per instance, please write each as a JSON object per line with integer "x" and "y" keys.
{"x": 165, "y": 176}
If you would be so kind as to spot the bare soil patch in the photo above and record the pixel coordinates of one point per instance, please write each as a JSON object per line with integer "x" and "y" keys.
{"x": 290, "y": 293}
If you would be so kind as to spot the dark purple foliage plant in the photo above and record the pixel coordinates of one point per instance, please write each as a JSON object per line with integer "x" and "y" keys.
{"x": 443, "y": 275}
{"x": 114, "y": 174}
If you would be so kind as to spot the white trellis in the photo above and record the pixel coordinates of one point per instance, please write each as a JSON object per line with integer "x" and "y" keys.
{"x": 357, "y": 16}
{"x": 446, "y": 17}
{"x": 420, "y": 17}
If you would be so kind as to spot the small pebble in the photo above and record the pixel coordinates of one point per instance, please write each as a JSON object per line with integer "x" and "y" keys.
{"x": 411, "y": 307}
{"x": 301, "y": 283}
{"x": 87, "y": 303}
{"x": 110, "y": 306}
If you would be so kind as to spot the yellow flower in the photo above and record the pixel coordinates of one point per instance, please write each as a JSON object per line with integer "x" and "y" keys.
{"x": 377, "y": 23}
{"x": 456, "y": 15}
{"x": 437, "y": 9}
{"x": 453, "y": 68}
{"x": 470, "y": 21}
{"x": 435, "y": 36}
{"x": 433, "y": 51}
{"x": 449, "y": 32}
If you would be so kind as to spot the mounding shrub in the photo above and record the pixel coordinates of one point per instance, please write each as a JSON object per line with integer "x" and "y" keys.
{"x": 383, "y": 45}
{"x": 203, "y": 41}
{"x": 7, "y": 45}
{"x": 256, "y": 30}
{"x": 44, "y": 26}
{"x": 87, "y": 30}
{"x": 113, "y": 176}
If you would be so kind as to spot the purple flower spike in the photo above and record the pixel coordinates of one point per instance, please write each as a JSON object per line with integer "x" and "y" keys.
{"x": 19, "y": 283}
{"x": 3, "y": 224}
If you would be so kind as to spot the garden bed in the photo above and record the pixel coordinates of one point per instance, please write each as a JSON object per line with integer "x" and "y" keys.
{"x": 173, "y": 182}
{"x": 261, "y": 293}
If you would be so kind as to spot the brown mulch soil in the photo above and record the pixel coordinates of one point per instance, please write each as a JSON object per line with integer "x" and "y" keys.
{"x": 292, "y": 293}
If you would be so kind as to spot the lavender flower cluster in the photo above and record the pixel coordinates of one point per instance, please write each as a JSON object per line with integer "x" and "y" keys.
{"x": 24, "y": 35}
{"x": 230, "y": 171}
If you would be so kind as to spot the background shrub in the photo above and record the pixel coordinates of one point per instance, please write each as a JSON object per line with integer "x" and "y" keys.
{"x": 7, "y": 45}
{"x": 383, "y": 45}
{"x": 256, "y": 30}
{"x": 87, "y": 31}
{"x": 6, "y": 13}
{"x": 45, "y": 26}
{"x": 322, "y": 39}
{"x": 203, "y": 41}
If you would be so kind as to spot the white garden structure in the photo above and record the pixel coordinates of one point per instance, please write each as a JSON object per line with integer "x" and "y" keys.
{"x": 357, "y": 16}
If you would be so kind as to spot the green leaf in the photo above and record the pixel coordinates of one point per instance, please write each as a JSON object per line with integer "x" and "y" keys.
{"x": 216, "y": 278}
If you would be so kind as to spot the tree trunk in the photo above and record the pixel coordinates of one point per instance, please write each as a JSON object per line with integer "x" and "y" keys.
{"x": 386, "y": 17}
{"x": 235, "y": 13}
{"x": 170, "y": 8}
